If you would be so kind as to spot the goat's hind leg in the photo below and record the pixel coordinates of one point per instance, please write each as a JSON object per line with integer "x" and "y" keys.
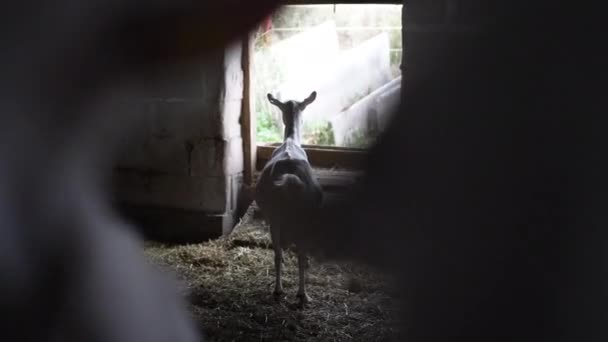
{"x": 278, "y": 259}
{"x": 302, "y": 266}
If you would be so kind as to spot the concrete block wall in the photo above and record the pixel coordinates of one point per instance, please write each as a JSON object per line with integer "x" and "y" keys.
{"x": 179, "y": 172}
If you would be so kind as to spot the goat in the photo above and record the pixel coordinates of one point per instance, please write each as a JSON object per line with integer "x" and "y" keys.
{"x": 288, "y": 193}
{"x": 486, "y": 194}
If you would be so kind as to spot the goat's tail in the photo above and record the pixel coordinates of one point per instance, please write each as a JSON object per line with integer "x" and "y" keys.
{"x": 290, "y": 184}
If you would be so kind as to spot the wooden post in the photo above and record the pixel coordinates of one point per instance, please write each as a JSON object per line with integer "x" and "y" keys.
{"x": 405, "y": 51}
{"x": 248, "y": 118}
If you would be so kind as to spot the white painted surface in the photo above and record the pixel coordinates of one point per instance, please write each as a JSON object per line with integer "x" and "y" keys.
{"x": 367, "y": 115}
{"x": 352, "y": 75}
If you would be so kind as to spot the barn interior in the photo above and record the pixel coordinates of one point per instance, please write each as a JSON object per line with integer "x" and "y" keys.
{"x": 185, "y": 175}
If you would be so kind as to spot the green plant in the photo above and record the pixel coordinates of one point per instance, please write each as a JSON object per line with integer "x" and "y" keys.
{"x": 360, "y": 140}
{"x": 268, "y": 76}
{"x": 267, "y": 129}
{"x": 318, "y": 133}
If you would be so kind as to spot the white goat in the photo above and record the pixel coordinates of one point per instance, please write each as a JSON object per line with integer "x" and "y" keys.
{"x": 287, "y": 192}
{"x": 476, "y": 195}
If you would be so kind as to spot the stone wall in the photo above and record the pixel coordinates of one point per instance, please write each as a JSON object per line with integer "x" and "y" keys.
{"x": 179, "y": 172}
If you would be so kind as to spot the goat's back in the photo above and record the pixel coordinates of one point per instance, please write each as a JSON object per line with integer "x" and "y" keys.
{"x": 287, "y": 192}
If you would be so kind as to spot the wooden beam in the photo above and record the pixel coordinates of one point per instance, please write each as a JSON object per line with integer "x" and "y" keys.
{"x": 248, "y": 119}
{"x": 320, "y": 147}
{"x": 319, "y": 156}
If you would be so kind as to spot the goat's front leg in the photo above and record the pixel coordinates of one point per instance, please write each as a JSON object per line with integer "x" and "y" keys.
{"x": 278, "y": 260}
{"x": 302, "y": 266}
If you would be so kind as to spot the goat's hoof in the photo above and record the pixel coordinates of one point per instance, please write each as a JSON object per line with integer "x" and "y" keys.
{"x": 304, "y": 298}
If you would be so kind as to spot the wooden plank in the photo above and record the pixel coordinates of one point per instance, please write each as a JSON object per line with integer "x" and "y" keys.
{"x": 333, "y": 183}
{"x": 321, "y": 147}
{"x": 172, "y": 225}
{"x": 321, "y": 157}
{"x": 248, "y": 118}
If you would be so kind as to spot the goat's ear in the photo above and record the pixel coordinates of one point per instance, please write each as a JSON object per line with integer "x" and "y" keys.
{"x": 274, "y": 101}
{"x": 310, "y": 99}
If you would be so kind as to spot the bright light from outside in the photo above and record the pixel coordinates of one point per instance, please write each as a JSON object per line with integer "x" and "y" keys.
{"x": 349, "y": 54}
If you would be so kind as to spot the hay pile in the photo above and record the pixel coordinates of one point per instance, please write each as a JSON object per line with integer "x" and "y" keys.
{"x": 230, "y": 283}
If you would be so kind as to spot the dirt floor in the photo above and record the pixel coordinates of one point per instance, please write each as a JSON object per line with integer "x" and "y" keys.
{"x": 230, "y": 281}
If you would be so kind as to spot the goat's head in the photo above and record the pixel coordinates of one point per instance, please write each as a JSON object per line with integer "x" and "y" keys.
{"x": 292, "y": 110}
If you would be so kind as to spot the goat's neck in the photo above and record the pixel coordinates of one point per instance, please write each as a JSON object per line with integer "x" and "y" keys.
{"x": 292, "y": 132}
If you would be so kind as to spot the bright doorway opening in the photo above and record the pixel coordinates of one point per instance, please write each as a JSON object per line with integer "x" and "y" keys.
{"x": 350, "y": 54}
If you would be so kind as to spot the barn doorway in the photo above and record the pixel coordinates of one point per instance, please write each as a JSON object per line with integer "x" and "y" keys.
{"x": 350, "y": 54}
